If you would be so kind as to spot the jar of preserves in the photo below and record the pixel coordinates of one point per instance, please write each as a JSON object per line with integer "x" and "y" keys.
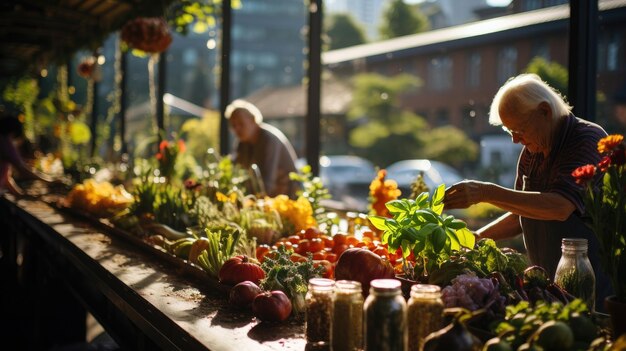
{"x": 574, "y": 272}
{"x": 318, "y": 314}
{"x": 347, "y": 324}
{"x": 425, "y": 313}
{"x": 385, "y": 317}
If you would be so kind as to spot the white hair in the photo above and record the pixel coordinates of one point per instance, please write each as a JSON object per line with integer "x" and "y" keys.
{"x": 524, "y": 93}
{"x": 240, "y": 104}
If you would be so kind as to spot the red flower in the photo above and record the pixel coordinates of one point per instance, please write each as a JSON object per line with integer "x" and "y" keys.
{"x": 164, "y": 144}
{"x": 159, "y": 156}
{"x": 583, "y": 174}
{"x": 604, "y": 164}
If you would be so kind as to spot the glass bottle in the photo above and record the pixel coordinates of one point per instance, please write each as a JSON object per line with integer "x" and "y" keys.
{"x": 318, "y": 314}
{"x": 574, "y": 272}
{"x": 425, "y": 313}
{"x": 385, "y": 317}
{"x": 347, "y": 324}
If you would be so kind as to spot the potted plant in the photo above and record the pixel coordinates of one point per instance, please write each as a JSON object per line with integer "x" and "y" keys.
{"x": 419, "y": 228}
{"x": 606, "y": 205}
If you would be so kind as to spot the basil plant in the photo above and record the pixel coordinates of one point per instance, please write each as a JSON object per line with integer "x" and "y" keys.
{"x": 420, "y": 228}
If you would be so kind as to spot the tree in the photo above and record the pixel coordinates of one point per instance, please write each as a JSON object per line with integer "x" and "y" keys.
{"x": 401, "y": 19}
{"x": 383, "y": 127}
{"x": 450, "y": 145}
{"x": 386, "y": 132}
{"x": 343, "y": 31}
{"x": 551, "y": 72}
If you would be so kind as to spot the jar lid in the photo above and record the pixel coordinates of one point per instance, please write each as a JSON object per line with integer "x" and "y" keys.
{"x": 321, "y": 283}
{"x": 385, "y": 284}
{"x": 347, "y": 285}
{"x": 425, "y": 288}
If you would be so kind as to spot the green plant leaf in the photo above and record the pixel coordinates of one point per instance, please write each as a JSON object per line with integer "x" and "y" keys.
{"x": 378, "y": 222}
{"x": 466, "y": 238}
{"x": 437, "y": 199}
{"x": 422, "y": 200}
{"x": 396, "y": 207}
{"x": 456, "y": 224}
{"x": 406, "y": 248}
{"x": 455, "y": 244}
{"x": 438, "y": 239}
{"x": 427, "y": 215}
{"x": 427, "y": 229}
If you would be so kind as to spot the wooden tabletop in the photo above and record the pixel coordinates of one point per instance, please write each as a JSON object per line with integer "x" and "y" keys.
{"x": 171, "y": 309}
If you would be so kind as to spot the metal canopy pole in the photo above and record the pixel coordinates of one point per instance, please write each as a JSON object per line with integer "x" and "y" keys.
{"x": 94, "y": 120}
{"x": 123, "y": 103}
{"x": 312, "y": 134}
{"x": 160, "y": 112}
{"x": 582, "y": 57}
{"x": 225, "y": 75}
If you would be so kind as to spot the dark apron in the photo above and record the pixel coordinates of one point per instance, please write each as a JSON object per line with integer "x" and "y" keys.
{"x": 543, "y": 242}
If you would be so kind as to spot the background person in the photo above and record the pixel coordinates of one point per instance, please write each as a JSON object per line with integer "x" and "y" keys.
{"x": 11, "y": 137}
{"x": 264, "y": 145}
{"x": 546, "y": 204}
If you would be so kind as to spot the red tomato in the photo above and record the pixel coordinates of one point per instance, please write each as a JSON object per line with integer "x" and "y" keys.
{"x": 288, "y": 245}
{"x": 303, "y": 246}
{"x": 339, "y": 238}
{"x": 329, "y": 271}
{"x": 339, "y": 249}
{"x": 294, "y": 239}
{"x": 352, "y": 240}
{"x": 331, "y": 257}
{"x": 297, "y": 258}
{"x": 368, "y": 234}
{"x": 261, "y": 252}
{"x": 328, "y": 241}
{"x": 319, "y": 255}
{"x": 311, "y": 233}
{"x": 316, "y": 244}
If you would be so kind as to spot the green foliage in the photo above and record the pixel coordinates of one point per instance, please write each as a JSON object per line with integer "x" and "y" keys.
{"x": 222, "y": 243}
{"x": 314, "y": 191}
{"x": 450, "y": 145}
{"x": 389, "y": 128}
{"x": 343, "y": 31}
{"x": 201, "y": 134}
{"x": 23, "y": 94}
{"x": 401, "y": 19}
{"x": 290, "y": 277}
{"x": 553, "y": 73}
{"x": 197, "y": 15}
{"x": 419, "y": 227}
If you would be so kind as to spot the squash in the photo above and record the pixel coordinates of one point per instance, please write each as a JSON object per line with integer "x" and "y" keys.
{"x": 238, "y": 269}
{"x": 363, "y": 266}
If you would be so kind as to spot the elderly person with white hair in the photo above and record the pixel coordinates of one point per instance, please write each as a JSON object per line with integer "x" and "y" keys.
{"x": 264, "y": 145}
{"x": 546, "y": 204}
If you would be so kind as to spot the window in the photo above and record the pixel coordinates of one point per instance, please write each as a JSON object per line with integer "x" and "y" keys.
{"x": 443, "y": 117}
{"x": 612, "y": 52}
{"x": 440, "y": 73}
{"x": 541, "y": 49}
{"x": 473, "y": 70}
{"x": 507, "y": 64}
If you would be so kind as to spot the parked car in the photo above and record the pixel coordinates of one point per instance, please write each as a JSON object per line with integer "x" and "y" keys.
{"x": 347, "y": 179}
{"x": 405, "y": 172}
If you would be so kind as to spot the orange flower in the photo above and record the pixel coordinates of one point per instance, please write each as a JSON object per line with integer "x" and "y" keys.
{"x": 164, "y": 144}
{"x": 382, "y": 191}
{"x": 609, "y": 143}
{"x": 181, "y": 145}
{"x": 583, "y": 174}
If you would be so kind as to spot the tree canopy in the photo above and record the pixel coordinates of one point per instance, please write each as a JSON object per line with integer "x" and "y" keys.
{"x": 401, "y": 19}
{"x": 343, "y": 31}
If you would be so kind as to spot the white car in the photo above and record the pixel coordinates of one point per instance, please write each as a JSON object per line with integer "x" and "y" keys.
{"x": 347, "y": 178}
{"x": 405, "y": 172}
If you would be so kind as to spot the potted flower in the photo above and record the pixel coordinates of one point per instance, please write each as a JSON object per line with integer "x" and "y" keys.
{"x": 606, "y": 205}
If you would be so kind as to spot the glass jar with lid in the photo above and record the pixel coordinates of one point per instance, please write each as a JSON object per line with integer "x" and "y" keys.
{"x": 574, "y": 272}
{"x": 425, "y": 313}
{"x": 385, "y": 317}
{"x": 347, "y": 324}
{"x": 318, "y": 314}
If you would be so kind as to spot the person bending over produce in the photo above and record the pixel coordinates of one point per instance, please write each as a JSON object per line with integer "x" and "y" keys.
{"x": 11, "y": 135}
{"x": 546, "y": 204}
{"x": 263, "y": 145}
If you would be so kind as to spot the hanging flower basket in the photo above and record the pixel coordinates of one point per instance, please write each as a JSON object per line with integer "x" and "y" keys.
{"x": 147, "y": 34}
{"x": 88, "y": 68}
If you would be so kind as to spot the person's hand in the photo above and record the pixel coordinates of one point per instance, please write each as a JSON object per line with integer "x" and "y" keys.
{"x": 464, "y": 194}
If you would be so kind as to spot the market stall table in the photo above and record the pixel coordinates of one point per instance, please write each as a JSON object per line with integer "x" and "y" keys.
{"x": 143, "y": 302}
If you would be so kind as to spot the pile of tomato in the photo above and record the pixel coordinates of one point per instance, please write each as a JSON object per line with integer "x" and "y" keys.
{"x": 327, "y": 249}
